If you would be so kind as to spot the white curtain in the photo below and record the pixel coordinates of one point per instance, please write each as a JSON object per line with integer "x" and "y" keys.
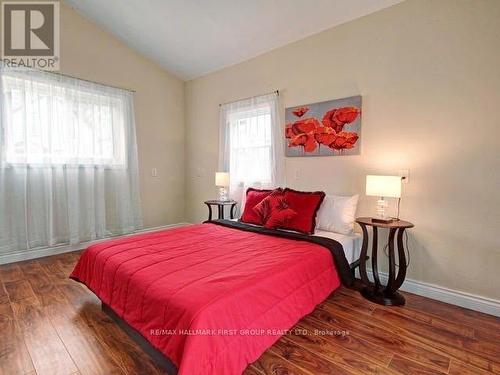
{"x": 251, "y": 144}
{"x": 68, "y": 161}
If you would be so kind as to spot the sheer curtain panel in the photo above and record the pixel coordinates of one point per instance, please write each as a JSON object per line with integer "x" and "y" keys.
{"x": 251, "y": 144}
{"x": 68, "y": 161}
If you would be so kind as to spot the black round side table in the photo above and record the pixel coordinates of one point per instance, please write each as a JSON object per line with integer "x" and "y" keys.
{"x": 220, "y": 207}
{"x": 376, "y": 292}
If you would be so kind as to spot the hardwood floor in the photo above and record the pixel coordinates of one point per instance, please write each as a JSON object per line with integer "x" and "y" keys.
{"x": 52, "y": 325}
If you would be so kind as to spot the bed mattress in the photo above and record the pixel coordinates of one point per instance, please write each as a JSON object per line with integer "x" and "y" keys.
{"x": 351, "y": 243}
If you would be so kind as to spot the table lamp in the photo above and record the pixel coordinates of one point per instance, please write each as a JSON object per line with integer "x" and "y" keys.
{"x": 383, "y": 187}
{"x": 222, "y": 181}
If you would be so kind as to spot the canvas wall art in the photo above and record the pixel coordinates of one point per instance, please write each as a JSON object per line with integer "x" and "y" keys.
{"x": 324, "y": 129}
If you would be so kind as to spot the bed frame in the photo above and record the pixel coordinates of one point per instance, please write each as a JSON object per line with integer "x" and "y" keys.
{"x": 158, "y": 357}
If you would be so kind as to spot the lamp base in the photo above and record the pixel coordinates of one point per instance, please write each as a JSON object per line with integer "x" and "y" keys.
{"x": 382, "y": 221}
{"x": 382, "y": 216}
{"x": 223, "y": 194}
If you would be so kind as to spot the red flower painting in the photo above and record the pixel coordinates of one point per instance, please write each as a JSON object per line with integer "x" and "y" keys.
{"x": 301, "y": 111}
{"x": 315, "y": 137}
{"x": 301, "y": 133}
{"x": 337, "y": 118}
{"x": 344, "y": 140}
{"x": 325, "y": 135}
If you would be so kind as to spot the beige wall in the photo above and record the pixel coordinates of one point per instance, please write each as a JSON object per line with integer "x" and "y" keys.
{"x": 90, "y": 53}
{"x": 429, "y": 75}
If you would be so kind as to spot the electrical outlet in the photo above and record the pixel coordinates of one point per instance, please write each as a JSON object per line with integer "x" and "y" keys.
{"x": 154, "y": 172}
{"x": 405, "y": 175}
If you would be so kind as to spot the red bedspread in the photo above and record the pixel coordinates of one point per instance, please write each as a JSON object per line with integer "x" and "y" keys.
{"x": 206, "y": 295}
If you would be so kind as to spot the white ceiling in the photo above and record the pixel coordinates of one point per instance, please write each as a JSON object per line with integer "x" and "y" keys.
{"x": 191, "y": 38}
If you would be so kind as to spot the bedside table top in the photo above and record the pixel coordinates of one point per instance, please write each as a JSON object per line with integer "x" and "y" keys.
{"x": 216, "y": 201}
{"x": 394, "y": 224}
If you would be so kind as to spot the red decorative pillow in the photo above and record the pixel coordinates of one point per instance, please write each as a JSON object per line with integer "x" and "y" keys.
{"x": 280, "y": 216}
{"x": 254, "y": 197}
{"x": 274, "y": 211}
{"x": 306, "y": 205}
{"x": 265, "y": 207}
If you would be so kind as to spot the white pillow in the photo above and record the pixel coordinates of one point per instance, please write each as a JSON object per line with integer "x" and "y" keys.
{"x": 337, "y": 214}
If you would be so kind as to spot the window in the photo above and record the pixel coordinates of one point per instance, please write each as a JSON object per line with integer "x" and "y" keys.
{"x": 250, "y": 149}
{"x": 68, "y": 161}
{"x": 53, "y": 122}
{"x": 251, "y": 144}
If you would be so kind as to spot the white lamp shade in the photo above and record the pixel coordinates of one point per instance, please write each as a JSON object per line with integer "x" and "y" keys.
{"x": 221, "y": 179}
{"x": 383, "y": 186}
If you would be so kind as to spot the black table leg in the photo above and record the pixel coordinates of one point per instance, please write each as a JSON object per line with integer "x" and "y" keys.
{"x": 392, "y": 261}
{"x": 401, "y": 261}
{"x": 376, "y": 278}
{"x": 391, "y": 296}
{"x": 209, "y": 211}
{"x": 362, "y": 256}
{"x": 233, "y": 206}
{"x": 221, "y": 211}
{"x": 370, "y": 290}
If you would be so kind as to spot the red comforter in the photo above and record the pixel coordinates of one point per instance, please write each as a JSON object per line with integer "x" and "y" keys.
{"x": 208, "y": 296}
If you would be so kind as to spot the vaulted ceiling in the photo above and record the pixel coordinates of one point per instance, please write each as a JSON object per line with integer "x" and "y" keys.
{"x": 191, "y": 38}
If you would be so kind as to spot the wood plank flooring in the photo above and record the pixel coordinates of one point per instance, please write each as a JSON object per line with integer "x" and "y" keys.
{"x": 52, "y": 325}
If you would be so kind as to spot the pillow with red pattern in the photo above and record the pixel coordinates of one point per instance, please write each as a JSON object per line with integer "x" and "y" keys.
{"x": 306, "y": 205}
{"x": 265, "y": 207}
{"x": 280, "y": 216}
{"x": 274, "y": 211}
{"x": 253, "y": 198}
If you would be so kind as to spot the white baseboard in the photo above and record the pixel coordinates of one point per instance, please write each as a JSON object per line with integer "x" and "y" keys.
{"x": 454, "y": 297}
{"x": 47, "y": 251}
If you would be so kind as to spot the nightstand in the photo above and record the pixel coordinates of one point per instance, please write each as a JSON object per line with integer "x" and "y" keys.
{"x": 220, "y": 207}
{"x": 376, "y": 292}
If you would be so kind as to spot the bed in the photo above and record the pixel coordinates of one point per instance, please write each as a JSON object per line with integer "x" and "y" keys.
{"x": 213, "y": 297}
